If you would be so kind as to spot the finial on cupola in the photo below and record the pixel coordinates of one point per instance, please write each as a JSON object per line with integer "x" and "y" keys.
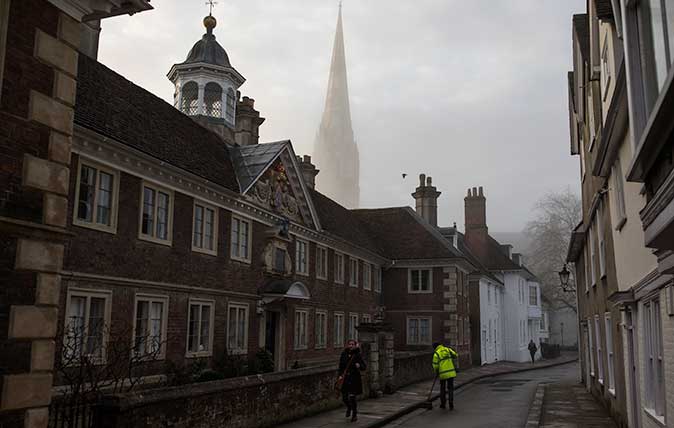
{"x": 210, "y": 22}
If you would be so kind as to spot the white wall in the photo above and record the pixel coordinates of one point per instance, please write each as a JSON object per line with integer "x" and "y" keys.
{"x": 492, "y": 322}
{"x": 516, "y": 310}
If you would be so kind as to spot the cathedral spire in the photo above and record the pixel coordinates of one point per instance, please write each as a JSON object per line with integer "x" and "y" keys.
{"x": 335, "y": 149}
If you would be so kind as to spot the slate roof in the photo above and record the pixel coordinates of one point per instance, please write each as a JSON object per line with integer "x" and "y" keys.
{"x": 250, "y": 161}
{"x": 112, "y": 106}
{"x": 497, "y": 259}
{"x": 604, "y": 9}
{"x": 208, "y": 50}
{"x": 448, "y": 233}
{"x": 581, "y": 26}
{"x": 404, "y": 235}
{"x": 342, "y": 222}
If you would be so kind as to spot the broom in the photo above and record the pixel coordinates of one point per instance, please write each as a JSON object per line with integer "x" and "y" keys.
{"x": 428, "y": 404}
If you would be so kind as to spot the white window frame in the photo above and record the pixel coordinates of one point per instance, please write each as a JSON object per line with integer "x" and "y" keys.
{"x": 338, "y": 332}
{"x": 605, "y": 69}
{"x": 169, "y": 222}
{"x": 237, "y": 307}
{"x": 410, "y": 289}
{"x": 655, "y": 402}
{"x": 321, "y": 329}
{"x": 301, "y": 329}
{"x": 367, "y": 318}
{"x": 321, "y": 262}
{"x": 239, "y": 235}
{"x": 150, "y": 299}
{"x": 593, "y": 254}
{"x": 353, "y": 272}
{"x": 590, "y": 328}
{"x": 377, "y": 279}
{"x": 352, "y": 333}
{"x": 534, "y": 289}
{"x": 419, "y": 341}
{"x": 88, "y": 294}
{"x": 114, "y": 203}
{"x": 205, "y": 207}
{"x": 211, "y": 323}
{"x": 301, "y": 260}
{"x": 610, "y": 358}
{"x": 600, "y": 352}
{"x": 367, "y": 276}
{"x": 601, "y": 239}
{"x": 339, "y": 268}
{"x": 619, "y": 185}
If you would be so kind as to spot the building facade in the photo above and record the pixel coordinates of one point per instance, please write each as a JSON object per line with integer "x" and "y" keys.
{"x": 622, "y": 283}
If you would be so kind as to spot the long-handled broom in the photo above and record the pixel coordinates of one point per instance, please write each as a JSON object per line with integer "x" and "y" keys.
{"x": 428, "y": 404}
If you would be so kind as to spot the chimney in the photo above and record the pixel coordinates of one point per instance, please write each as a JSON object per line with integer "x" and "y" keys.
{"x": 426, "y": 197}
{"x": 308, "y": 170}
{"x": 248, "y": 122}
{"x": 477, "y": 235}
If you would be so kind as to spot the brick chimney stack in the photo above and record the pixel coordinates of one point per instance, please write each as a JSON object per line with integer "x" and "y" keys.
{"x": 477, "y": 235}
{"x": 248, "y": 122}
{"x": 426, "y": 197}
{"x": 308, "y": 170}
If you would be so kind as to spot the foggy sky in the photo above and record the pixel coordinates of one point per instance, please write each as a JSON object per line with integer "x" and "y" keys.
{"x": 472, "y": 93}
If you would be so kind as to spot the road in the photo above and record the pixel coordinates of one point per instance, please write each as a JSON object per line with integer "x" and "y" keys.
{"x": 501, "y": 401}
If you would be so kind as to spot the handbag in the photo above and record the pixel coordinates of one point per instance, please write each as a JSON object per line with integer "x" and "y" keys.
{"x": 340, "y": 380}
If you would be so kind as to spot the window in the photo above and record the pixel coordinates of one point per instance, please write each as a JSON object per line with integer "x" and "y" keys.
{"x": 339, "y": 330}
{"x": 591, "y": 340}
{"x": 367, "y": 276}
{"x": 237, "y": 328}
{"x": 199, "y": 328}
{"x": 96, "y": 197}
{"x": 609, "y": 353}
{"x": 339, "y": 268}
{"x": 543, "y": 319}
{"x": 600, "y": 239}
{"x": 212, "y": 100}
{"x": 353, "y": 272}
{"x": 377, "y": 279}
{"x": 241, "y": 238}
{"x": 150, "y": 326}
{"x": 619, "y": 194}
{"x": 489, "y": 294}
{"x": 418, "y": 331}
{"x": 231, "y": 106}
{"x": 301, "y": 327}
{"x": 279, "y": 259}
{"x": 655, "y": 386}
{"x": 591, "y": 123}
{"x": 533, "y": 295}
{"x": 205, "y": 229}
{"x": 419, "y": 281}
{"x": 301, "y": 253}
{"x": 156, "y": 214}
{"x": 190, "y": 98}
{"x": 321, "y": 263}
{"x": 605, "y": 69}
{"x": 321, "y": 328}
{"x": 353, "y": 324}
{"x": 367, "y": 319}
{"x": 600, "y": 361}
{"x": 88, "y": 318}
{"x": 593, "y": 255}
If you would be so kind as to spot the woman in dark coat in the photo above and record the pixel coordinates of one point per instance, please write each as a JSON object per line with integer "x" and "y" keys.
{"x": 350, "y": 365}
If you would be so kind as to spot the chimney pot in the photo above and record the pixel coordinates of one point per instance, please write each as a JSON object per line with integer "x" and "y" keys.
{"x": 307, "y": 158}
{"x": 422, "y": 180}
{"x": 481, "y": 191}
{"x": 468, "y": 194}
{"x": 474, "y": 191}
{"x": 429, "y": 181}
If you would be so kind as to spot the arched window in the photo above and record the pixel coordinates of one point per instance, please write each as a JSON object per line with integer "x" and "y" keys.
{"x": 190, "y": 99}
{"x": 213, "y": 100}
{"x": 231, "y": 106}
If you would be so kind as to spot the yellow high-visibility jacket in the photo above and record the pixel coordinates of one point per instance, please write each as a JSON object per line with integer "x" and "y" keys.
{"x": 443, "y": 363}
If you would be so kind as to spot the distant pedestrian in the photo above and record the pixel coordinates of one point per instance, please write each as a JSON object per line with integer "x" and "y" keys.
{"x": 350, "y": 365}
{"x": 444, "y": 367}
{"x": 532, "y": 350}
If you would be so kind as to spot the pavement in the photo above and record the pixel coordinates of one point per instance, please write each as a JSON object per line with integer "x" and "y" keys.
{"x": 407, "y": 402}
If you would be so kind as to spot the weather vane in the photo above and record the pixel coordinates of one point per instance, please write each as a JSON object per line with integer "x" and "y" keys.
{"x": 211, "y": 3}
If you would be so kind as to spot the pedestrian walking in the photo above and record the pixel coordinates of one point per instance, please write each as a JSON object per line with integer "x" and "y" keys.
{"x": 350, "y": 365}
{"x": 444, "y": 368}
{"x": 532, "y": 350}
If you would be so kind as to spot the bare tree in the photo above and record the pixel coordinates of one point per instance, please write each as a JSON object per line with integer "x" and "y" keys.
{"x": 555, "y": 216}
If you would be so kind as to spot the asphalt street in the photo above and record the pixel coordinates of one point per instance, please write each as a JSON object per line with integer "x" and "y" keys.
{"x": 501, "y": 401}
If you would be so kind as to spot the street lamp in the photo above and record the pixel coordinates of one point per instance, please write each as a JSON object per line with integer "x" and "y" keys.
{"x": 564, "y": 279}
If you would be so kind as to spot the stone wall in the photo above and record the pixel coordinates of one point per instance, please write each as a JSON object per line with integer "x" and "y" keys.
{"x": 251, "y": 401}
{"x": 411, "y": 367}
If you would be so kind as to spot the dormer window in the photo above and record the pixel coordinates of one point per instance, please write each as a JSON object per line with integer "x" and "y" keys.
{"x": 213, "y": 100}
{"x": 231, "y": 106}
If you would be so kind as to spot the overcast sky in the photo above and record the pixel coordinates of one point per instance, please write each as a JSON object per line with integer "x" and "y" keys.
{"x": 472, "y": 93}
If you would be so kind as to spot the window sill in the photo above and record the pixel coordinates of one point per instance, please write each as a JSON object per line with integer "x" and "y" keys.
{"x": 353, "y": 285}
{"x": 612, "y": 391}
{"x": 660, "y": 420}
{"x": 237, "y": 351}
{"x": 300, "y": 348}
{"x": 165, "y": 242}
{"x": 601, "y": 381}
{"x": 204, "y": 251}
{"x": 203, "y": 354}
{"x": 97, "y": 227}
{"x": 240, "y": 260}
{"x": 367, "y": 289}
{"x": 322, "y": 278}
{"x": 320, "y": 347}
{"x": 339, "y": 282}
{"x": 621, "y": 224}
{"x": 420, "y": 292}
{"x": 306, "y": 274}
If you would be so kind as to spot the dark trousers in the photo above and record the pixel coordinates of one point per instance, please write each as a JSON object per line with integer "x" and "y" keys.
{"x": 447, "y": 389}
{"x": 350, "y": 401}
{"x": 533, "y": 356}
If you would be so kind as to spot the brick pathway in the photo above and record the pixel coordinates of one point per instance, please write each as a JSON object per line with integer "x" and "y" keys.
{"x": 571, "y": 406}
{"x": 377, "y": 412}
